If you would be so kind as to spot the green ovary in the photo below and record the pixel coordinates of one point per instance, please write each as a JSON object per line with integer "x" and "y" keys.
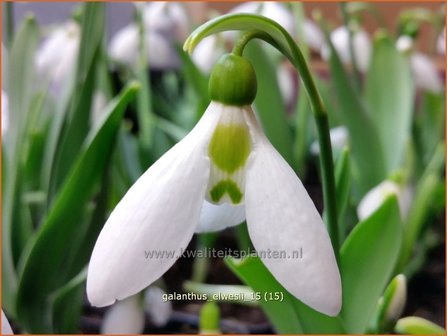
{"x": 229, "y": 147}
{"x": 226, "y": 186}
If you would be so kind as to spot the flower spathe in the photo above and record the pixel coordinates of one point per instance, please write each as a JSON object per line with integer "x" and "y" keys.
{"x": 226, "y": 160}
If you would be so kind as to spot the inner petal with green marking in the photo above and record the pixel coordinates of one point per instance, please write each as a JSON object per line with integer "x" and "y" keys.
{"x": 229, "y": 148}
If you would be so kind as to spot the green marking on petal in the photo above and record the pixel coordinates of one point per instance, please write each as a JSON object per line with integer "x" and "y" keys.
{"x": 229, "y": 147}
{"x": 226, "y": 186}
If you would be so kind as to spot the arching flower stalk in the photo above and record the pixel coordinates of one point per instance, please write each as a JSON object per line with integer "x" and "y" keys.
{"x": 226, "y": 161}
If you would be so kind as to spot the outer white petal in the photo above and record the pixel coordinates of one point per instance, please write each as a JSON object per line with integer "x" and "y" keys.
{"x": 339, "y": 139}
{"x": 161, "y": 52}
{"x": 218, "y": 217}
{"x": 57, "y": 55}
{"x": 158, "y": 213}
{"x": 287, "y": 84}
{"x": 425, "y": 74}
{"x": 440, "y": 43}
{"x": 282, "y": 217}
{"x": 124, "y": 317}
{"x": 361, "y": 45}
{"x": 207, "y": 53}
{"x": 5, "y": 112}
{"x": 124, "y": 45}
{"x": 404, "y": 44}
{"x": 158, "y": 309}
{"x": 375, "y": 197}
{"x": 313, "y": 35}
{"x": 6, "y": 327}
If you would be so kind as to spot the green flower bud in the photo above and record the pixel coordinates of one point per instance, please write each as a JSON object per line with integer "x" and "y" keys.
{"x": 233, "y": 81}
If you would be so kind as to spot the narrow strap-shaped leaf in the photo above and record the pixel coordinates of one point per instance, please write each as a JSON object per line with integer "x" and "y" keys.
{"x": 20, "y": 81}
{"x": 78, "y": 114}
{"x": 367, "y": 258}
{"x": 390, "y": 99}
{"x": 367, "y": 152}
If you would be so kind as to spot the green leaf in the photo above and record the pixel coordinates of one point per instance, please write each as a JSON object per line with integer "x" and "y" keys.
{"x": 343, "y": 186}
{"x": 289, "y": 315}
{"x": 252, "y": 272}
{"x": 429, "y": 127}
{"x": 45, "y": 269}
{"x": 368, "y": 257}
{"x": 367, "y": 152}
{"x": 390, "y": 99}
{"x": 67, "y": 305}
{"x": 269, "y": 104}
{"x": 78, "y": 116}
{"x": 20, "y": 82}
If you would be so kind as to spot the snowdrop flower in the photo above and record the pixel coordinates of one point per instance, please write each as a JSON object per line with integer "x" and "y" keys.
{"x": 376, "y": 196}
{"x": 6, "y": 327}
{"x": 5, "y": 112}
{"x": 124, "y": 317}
{"x": 158, "y": 309}
{"x": 361, "y": 45}
{"x": 424, "y": 72}
{"x": 164, "y": 23}
{"x": 57, "y": 56}
{"x": 339, "y": 139}
{"x": 225, "y": 159}
{"x": 440, "y": 43}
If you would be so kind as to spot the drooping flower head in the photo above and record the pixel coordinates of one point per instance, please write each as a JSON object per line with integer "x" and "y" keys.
{"x": 224, "y": 165}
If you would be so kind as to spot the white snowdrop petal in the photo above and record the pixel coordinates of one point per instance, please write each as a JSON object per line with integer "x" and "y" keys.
{"x": 161, "y": 52}
{"x": 404, "y": 44}
{"x": 339, "y": 139}
{"x": 159, "y": 213}
{"x": 361, "y": 45}
{"x": 218, "y": 217}
{"x": 158, "y": 309}
{"x": 287, "y": 84}
{"x": 207, "y": 53}
{"x": 6, "y": 327}
{"x": 425, "y": 74}
{"x": 375, "y": 197}
{"x": 57, "y": 56}
{"x": 124, "y": 317}
{"x": 124, "y": 45}
{"x": 5, "y": 112}
{"x": 440, "y": 43}
{"x": 313, "y": 35}
{"x": 282, "y": 219}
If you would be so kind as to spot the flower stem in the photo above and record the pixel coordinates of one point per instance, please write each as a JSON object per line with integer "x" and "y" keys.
{"x": 322, "y": 122}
